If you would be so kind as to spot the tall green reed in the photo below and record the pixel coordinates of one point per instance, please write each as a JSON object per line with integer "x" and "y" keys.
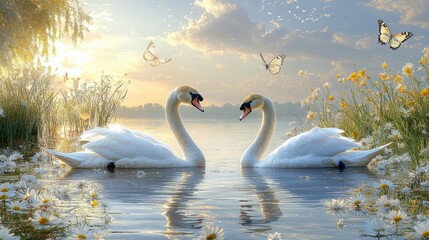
{"x": 25, "y": 95}
{"x": 91, "y": 104}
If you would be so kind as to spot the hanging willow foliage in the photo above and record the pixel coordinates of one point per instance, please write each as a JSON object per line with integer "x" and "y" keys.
{"x": 28, "y": 28}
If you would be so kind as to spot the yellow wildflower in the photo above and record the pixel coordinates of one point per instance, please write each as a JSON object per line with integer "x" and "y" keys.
{"x": 353, "y": 77}
{"x": 399, "y": 79}
{"x": 424, "y": 92}
{"x": 326, "y": 85}
{"x": 84, "y": 116}
{"x": 311, "y": 115}
{"x": 383, "y": 76}
{"x": 344, "y": 104}
{"x": 94, "y": 203}
{"x": 362, "y": 72}
{"x": 410, "y": 102}
{"x": 423, "y": 60}
{"x": 407, "y": 70}
{"x": 331, "y": 98}
{"x": 384, "y": 65}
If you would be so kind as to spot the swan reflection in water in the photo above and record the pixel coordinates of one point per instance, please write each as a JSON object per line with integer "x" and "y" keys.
{"x": 177, "y": 205}
{"x": 268, "y": 202}
{"x": 275, "y": 188}
{"x": 135, "y": 202}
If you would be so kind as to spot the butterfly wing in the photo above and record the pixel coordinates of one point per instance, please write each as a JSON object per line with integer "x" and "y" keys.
{"x": 149, "y": 54}
{"x": 384, "y": 35}
{"x": 399, "y": 38}
{"x": 275, "y": 64}
{"x": 164, "y": 60}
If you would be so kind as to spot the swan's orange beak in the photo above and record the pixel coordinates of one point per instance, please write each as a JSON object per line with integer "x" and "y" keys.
{"x": 246, "y": 111}
{"x": 196, "y": 103}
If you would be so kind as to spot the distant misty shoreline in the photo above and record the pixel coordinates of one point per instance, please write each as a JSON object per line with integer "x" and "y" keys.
{"x": 286, "y": 111}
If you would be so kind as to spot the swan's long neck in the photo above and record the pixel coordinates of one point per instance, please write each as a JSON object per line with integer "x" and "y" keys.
{"x": 254, "y": 152}
{"x": 190, "y": 150}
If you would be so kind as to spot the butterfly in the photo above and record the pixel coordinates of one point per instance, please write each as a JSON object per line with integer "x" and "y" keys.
{"x": 386, "y": 37}
{"x": 149, "y": 55}
{"x": 275, "y": 64}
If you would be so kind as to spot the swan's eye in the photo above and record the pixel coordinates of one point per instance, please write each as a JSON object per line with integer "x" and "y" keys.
{"x": 196, "y": 95}
{"x": 247, "y": 104}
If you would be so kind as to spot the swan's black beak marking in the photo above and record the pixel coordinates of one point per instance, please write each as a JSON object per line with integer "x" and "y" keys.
{"x": 196, "y": 99}
{"x": 341, "y": 166}
{"x": 111, "y": 167}
{"x": 246, "y": 108}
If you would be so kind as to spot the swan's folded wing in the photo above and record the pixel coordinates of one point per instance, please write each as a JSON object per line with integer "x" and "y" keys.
{"x": 98, "y": 133}
{"x": 324, "y": 142}
{"x": 125, "y": 144}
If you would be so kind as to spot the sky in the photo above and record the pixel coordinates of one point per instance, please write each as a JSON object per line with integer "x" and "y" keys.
{"x": 215, "y": 44}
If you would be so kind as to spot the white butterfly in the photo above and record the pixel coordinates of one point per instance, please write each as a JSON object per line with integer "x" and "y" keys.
{"x": 275, "y": 64}
{"x": 386, "y": 37}
{"x": 149, "y": 55}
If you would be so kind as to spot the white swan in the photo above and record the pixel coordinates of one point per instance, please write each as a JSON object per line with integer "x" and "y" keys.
{"x": 119, "y": 147}
{"x": 319, "y": 147}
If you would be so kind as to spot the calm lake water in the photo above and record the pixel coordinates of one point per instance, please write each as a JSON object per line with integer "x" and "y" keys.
{"x": 246, "y": 203}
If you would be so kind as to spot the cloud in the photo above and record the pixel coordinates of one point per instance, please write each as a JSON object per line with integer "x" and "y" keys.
{"x": 362, "y": 43}
{"x": 221, "y": 28}
{"x": 215, "y": 7}
{"x": 226, "y": 29}
{"x": 412, "y": 12}
{"x": 339, "y": 38}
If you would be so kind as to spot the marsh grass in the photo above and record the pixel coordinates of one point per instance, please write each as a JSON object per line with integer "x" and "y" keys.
{"x": 26, "y": 94}
{"x": 32, "y": 109}
{"x": 393, "y": 107}
{"x": 87, "y": 105}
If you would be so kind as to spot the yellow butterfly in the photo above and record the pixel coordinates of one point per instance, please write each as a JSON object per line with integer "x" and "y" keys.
{"x": 386, "y": 37}
{"x": 275, "y": 64}
{"x": 149, "y": 55}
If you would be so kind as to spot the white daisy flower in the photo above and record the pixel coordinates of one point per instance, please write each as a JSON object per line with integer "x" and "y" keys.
{"x": 82, "y": 232}
{"x": 396, "y": 216}
{"x": 384, "y": 185}
{"x": 62, "y": 192}
{"x": 7, "y": 191}
{"x": 39, "y": 157}
{"x": 16, "y": 156}
{"x": 30, "y": 196}
{"x": 384, "y": 203}
{"x": 274, "y": 236}
{"x": 47, "y": 200}
{"x": 211, "y": 232}
{"x": 357, "y": 201}
{"x": 5, "y": 234}
{"x": 17, "y": 206}
{"x": 336, "y": 206}
{"x": 29, "y": 179}
{"x": 422, "y": 230}
{"x": 375, "y": 227}
{"x": 43, "y": 219}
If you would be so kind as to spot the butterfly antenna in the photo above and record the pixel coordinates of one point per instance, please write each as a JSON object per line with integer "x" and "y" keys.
{"x": 266, "y": 65}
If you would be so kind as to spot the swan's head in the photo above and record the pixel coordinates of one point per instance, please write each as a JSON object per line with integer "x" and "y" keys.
{"x": 251, "y": 102}
{"x": 189, "y": 95}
